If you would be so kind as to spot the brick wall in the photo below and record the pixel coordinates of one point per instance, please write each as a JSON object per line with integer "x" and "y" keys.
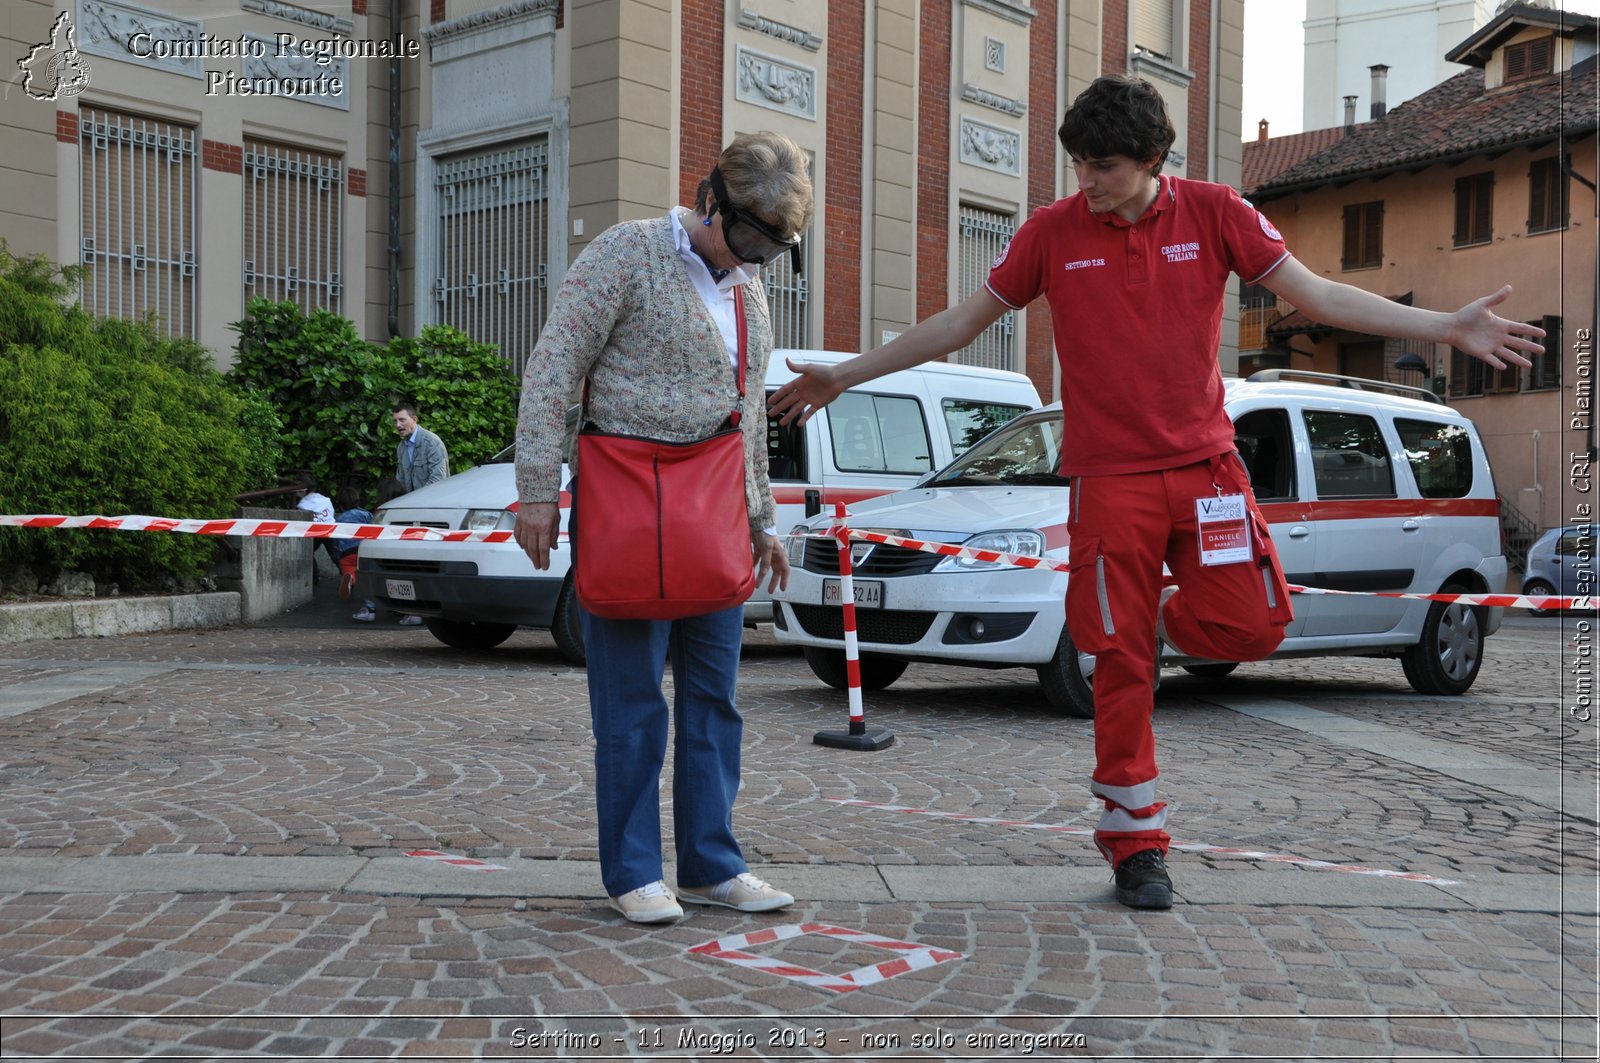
{"x": 1044, "y": 115}
{"x": 700, "y": 94}
{"x": 356, "y": 181}
{"x": 841, "y": 243}
{"x": 215, "y": 155}
{"x": 67, "y": 127}
{"x": 1200, "y": 88}
{"x": 1114, "y": 37}
{"x": 933, "y": 160}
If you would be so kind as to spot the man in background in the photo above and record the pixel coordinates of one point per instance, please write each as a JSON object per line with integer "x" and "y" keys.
{"x": 421, "y": 458}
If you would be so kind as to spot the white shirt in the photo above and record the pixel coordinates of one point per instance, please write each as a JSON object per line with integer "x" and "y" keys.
{"x": 717, "y": 295}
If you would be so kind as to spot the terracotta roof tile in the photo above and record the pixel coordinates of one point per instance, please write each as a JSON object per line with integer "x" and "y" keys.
{"x": 1454, "y": 119}
{"x": 1264, "y": 160}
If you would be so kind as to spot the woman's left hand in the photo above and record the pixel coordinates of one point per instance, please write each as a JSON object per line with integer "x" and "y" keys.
{"x": 772, "y": 563}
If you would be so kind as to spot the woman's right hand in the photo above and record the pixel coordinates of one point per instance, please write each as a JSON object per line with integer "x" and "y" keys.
{"x": 538, "y": 526}
{"x": 814, "y": 386}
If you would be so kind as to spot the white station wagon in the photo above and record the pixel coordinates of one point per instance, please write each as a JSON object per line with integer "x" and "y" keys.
{"x": 1366, "y": 487}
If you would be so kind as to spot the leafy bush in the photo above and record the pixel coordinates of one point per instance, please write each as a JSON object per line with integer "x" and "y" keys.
{"x": 110, "y": 417}
{"x": 335, "y": 393}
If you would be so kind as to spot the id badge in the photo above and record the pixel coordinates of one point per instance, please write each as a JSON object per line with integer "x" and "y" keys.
{"x": 1224, "y": 522}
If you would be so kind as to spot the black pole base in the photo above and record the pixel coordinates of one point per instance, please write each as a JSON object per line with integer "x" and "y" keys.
{"x": 873, "y": 739}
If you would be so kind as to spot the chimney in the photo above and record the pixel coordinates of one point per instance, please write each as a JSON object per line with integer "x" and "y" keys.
{"x": 1261, "y": 132}
{"x": 1380, "y": 78}
{"x": 1349, "y": 113}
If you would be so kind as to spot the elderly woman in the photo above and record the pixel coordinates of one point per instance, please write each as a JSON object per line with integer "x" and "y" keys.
{"x": 647, "y": 314}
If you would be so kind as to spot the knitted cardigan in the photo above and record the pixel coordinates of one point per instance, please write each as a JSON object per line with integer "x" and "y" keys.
{"x": 628, "y": 317}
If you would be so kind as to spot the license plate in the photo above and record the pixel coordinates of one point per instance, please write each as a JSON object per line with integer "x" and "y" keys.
{"x": 403, "y": 589}
{"x": 869, "y": 593}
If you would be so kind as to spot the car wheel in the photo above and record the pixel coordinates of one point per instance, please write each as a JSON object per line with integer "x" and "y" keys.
{"x": 876, "y": 672}
{"x": 1537, "y": 587}
{"x": 1068, "y": 680}
{"x": 468, "y": 634}
{"x": 1447, "y": 657}
{"x": 1211, "y": 671}
{"x": 566, "y": 628}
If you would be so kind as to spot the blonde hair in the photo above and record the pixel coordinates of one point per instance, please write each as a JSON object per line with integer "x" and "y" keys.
{"x": 765, "y": 173}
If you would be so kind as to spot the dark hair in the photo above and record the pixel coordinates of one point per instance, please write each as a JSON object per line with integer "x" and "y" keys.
{"x": 349, "y": 497}
{"x": 390, "y": 489}
{"x": 408, "y": 407}
{"x": 1118, "y": 115}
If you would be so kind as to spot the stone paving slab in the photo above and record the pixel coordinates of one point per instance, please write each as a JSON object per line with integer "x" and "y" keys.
{"x": 327, "y": 751}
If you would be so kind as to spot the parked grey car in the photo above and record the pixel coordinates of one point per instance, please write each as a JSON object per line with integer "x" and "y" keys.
{"x": 1561, "y": 562}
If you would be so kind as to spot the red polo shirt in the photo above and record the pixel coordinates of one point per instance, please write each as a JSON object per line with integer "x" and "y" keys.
{"x": 1137, "y": 312}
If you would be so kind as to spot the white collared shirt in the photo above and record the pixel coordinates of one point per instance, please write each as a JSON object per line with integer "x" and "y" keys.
{"x": 717, "y": 295}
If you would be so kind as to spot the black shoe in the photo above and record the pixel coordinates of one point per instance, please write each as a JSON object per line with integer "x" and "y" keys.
{"x": 1142, "y": 880}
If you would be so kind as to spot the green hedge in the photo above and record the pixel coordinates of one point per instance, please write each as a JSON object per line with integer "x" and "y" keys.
{"x": 110, "y": 417}
{"x": 335, "y": 393}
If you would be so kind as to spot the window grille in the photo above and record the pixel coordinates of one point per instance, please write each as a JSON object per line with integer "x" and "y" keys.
{"x": 984, "y": 234}
{"x": 137, "y": 198}
{"x": 787, "y": 298}
{"x": 293, "y": 226}
{"x": 491, "y": 266}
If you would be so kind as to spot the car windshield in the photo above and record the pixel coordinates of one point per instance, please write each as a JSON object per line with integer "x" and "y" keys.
{"x": 509, "y": 454}
{"x": 1025, "y": 451}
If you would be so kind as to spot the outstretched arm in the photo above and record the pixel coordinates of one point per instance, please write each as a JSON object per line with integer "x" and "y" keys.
{"x": 1475, "y": 329}
{"x": 934, "y": 337}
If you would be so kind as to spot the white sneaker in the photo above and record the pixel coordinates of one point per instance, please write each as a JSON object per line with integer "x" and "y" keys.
{"x": 649, "y": 904}
{"x": 743, "y": 891}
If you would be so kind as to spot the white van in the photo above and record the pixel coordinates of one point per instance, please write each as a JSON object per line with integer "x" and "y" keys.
{"x": 1365, "y": 487}
{"x": 872, "y": 440}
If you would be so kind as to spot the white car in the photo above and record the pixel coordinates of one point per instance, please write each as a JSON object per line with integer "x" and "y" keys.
{"x": 1363, "y": 491}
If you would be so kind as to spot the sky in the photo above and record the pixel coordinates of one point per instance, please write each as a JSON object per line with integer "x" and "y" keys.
{"x": 1274, "y": 61}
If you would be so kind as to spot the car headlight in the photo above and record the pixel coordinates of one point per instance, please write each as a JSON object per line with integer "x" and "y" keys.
{"x": 795, "y": 545}
{"x": 489, "y": 520}
{"x": 1025, "y": 543}
{"x": 381, "y": 517}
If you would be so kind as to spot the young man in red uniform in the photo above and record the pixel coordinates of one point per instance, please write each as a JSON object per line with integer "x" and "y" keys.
{"x": 1135, "y": 266}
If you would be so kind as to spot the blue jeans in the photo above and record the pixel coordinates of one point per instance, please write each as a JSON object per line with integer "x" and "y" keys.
{"x": 627, "y": 659}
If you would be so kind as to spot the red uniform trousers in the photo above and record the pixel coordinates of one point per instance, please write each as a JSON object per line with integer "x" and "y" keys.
{"x": 1123, "y": 527}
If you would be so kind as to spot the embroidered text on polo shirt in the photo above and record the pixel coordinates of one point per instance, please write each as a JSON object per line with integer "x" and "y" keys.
{"x": 1182, "y": 252}
{"x": 1082, "y": 262}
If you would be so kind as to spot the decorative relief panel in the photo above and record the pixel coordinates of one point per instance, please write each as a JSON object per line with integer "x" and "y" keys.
{"x": 990, "y": 147}
{"x": 993, "y": 100}
{"x": 293, "y": 66}
{"x": 123, "y": 32}
{"x": 770, "y": 82}
{"x": 316, "y": 20}
{"x": 782, "y": 31}
{"x": 994, "y": 55}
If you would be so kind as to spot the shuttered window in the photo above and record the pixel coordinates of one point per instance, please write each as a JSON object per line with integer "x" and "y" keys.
{"x": 1529, "y": 59}
{"x": 1547, "y": 196}
{"x": 137, "y": 197}
{"x": 1474, "y": 209}
{"x": 1363, "y": 235}
{"x": 1545, "y": 372}
{"x": 1153, "y": 27}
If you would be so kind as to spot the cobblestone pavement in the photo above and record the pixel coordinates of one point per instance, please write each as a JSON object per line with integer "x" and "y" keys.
{"x": 203, "y": 833}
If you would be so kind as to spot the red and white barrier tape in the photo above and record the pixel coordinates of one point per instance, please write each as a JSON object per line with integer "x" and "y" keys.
{"x": 1192, "y": 847}
{"x": 1510, "y": 601}
{"x": 252, "y": 528}
{"x": 913, "y": 957}
{"x": 292, "y": 529}
{"x": 465, "y": 863}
